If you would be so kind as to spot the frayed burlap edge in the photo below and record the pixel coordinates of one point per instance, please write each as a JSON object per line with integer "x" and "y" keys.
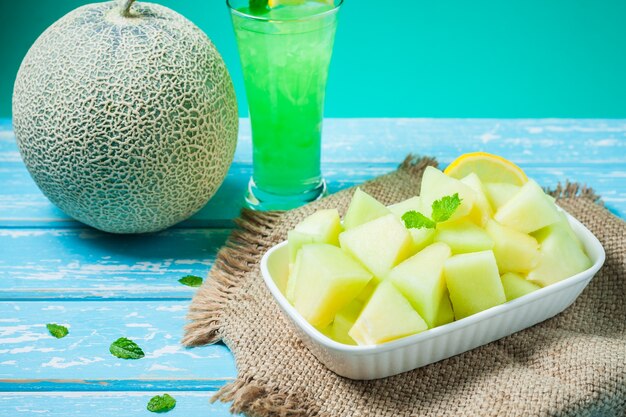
{"x": 574, "y": 190}
{"x": 255, "y": 400}
{"x": 239, "y": 256}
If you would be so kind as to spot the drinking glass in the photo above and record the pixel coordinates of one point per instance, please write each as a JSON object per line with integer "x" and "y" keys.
{"x": 285, "y": 54}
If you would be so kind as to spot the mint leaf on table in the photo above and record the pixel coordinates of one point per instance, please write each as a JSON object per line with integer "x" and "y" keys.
{"x": 57, "y": 330}
{"x": 125, "y": 348}
{"x": 416, "y": 220}
{"x": 445, "y": 207}
{"x": 191, "y": 281}
{"x": 161, "y": 403}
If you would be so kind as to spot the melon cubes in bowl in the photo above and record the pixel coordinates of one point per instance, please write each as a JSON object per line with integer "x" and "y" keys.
{"x": 463, "y": 246}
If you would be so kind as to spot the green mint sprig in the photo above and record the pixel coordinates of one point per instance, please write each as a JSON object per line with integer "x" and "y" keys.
{"x": 442, "y": 210}
{"x": 124, "y": 348}
{"x": 416, "y": 220}
{"x": 161, "y": 403}
{"x": 191, "y": 281}
{"x": 258, "y": 5}
{"x": 57, "y": 330}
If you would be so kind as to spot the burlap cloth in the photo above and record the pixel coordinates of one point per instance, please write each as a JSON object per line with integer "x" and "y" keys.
{"x": 571, "y": 365}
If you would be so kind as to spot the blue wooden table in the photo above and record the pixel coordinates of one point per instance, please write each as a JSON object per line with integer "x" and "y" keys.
{"x": 53, "y": 269}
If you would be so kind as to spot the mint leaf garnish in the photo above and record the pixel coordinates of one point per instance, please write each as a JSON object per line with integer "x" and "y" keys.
{"x": 416, "y": 220}
{"x": 191, "y": 281}
{"x": 125, "y": 348}
{"x": 258, "y": 5}
{"x": 444, "y": 208}
{"x": 161, "y": 403}
{"x": 57, "y": 330}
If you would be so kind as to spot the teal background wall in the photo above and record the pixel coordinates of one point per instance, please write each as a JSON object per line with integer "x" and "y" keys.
{"x": 417, "y": 58}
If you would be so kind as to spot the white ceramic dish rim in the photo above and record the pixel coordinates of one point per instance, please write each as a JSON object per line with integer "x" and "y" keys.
{"x": 587, "y": 238}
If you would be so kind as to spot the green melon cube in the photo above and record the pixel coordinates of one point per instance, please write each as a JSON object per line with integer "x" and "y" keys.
{"x": 344, "y": 320}
{"x": 379, "y": 244}
{"x": 445, "y": 314}
{"x": 362, "y": 209}
{"x": 387, "y": 316}
{"x": 498, "y": 193}
{"x": 436, "y": 184}
{"x": 561, "y": 255}
{"x": 481, "y": 212}
{"x": 294, "y": 272}
{"x": 326, "y": 280}
{"x": 515, "y": 251}
{"x": 563, "y": 224}
{"x": 528, "y": 210}
{"x": 463, "y": 236}
{"x": 369, "y": 289}
{"x": 473, "y": 282}
{"x": 413, "y": 203}
{"x": 323, "y": 226}
{"x": 420, "y": 280}
{"x": 421, "y": 237}
{"x": 516, "y": 285}
{"x": 295, "y": 240}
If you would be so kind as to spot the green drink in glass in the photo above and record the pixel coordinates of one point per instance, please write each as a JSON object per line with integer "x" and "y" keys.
{"x": 285, "y": 52}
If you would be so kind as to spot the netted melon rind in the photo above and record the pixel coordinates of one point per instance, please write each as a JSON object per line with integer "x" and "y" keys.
{"x": 127, "y": 124}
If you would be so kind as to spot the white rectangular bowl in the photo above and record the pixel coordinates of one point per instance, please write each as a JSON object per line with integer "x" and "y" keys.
{"x": 380, "y": 361}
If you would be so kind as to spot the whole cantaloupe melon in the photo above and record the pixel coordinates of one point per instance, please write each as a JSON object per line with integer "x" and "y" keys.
{"x": 125, "y": 116}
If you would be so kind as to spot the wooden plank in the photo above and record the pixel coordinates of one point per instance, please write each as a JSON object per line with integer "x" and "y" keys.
{"x": 105, "y": 404}
{"x": 88, "y": 264}
{"x": 353, "y": 153}
{"x": 31, "y": 359}
{"x": 23, "y": 205}
{"x": 39, "y": 263}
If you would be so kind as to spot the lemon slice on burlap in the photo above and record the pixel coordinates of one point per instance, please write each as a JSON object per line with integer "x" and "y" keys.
{"x": 488, "y": 167}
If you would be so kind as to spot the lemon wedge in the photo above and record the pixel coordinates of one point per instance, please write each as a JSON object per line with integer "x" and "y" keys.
{"x": 488, "y": 167}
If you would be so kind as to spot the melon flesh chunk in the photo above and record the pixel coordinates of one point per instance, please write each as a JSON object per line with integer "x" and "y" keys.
{"x": 369, "y": 289}
{"x": 445, "y": 314}
{"x": 481, "y": 212}
{"x": 516, "y": 285}
{"x": 294, "y": 272}
{"x": 326, "y": 279}
{"x": 514, "y": 251}
{"x": 295, "y": 240}
{"x": 560, "y": 256}
{"x": 421, "y": 237}
{"x": 563, "y": 223}
{"x": 528, "y": 210}
{"x": 344, "y": 320}
{"x": 473, "y": 282}
{"x": 498, "y": 193}
{"x": 387, "y": 316}
{"x": 362, "y": 209}
{"x": 379, "y": 245}
{"x": 413, "y": 203}
{"x": 463, "y": 236}
{"x": 323, "y": 226}
{"x": 420, "y": 280}
{"x": 436, "y": 184}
